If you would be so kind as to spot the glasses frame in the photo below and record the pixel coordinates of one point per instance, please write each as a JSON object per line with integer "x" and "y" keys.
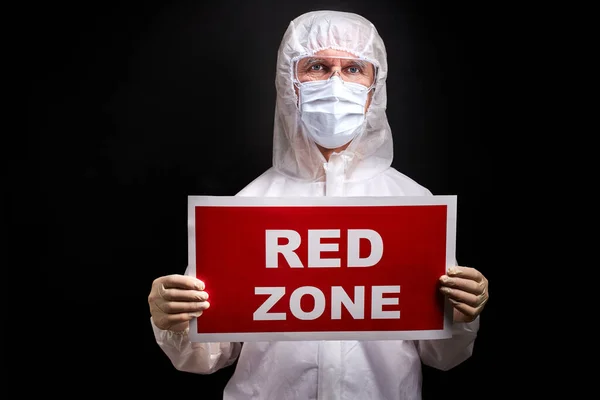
{"x": 294, "y": 66}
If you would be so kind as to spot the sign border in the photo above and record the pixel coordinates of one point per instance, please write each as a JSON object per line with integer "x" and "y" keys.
{"x": 241, "y": 201}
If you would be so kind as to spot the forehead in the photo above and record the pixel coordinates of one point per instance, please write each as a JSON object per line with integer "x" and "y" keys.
{"x": 330, "y": 57}
{"x": 334, "y": 53}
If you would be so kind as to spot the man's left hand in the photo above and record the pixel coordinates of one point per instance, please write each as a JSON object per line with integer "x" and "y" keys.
{"x": 467, "y": 290}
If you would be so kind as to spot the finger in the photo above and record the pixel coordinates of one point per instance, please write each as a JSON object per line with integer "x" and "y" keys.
{"x": 179, "y": 307}
{"x": 464, "y": 297}
{"x": 182, "y": 295}
{"x": 467, "y": 285}
{"x": 465, "y": 272}
{"x": 180, "y": 282}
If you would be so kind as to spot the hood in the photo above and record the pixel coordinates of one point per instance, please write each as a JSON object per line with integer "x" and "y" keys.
{"x": 294, "y": 154}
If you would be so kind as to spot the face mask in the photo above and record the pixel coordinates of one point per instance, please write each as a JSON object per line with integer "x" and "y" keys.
{"x": 333, "y": 111}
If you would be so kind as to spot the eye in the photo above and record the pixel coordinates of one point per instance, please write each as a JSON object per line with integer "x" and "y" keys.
{"x": 317, "y": 67}
{"x": 354, "y": 69}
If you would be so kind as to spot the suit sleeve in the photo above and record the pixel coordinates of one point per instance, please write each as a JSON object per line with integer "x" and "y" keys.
{"x": 199, "y": 358}
{"x": 444, "y": 354}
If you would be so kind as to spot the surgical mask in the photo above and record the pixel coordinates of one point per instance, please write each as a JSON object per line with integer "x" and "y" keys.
{"x": 333, "y": 111}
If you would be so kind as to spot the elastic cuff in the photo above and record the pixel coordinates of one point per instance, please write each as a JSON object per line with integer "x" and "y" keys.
{"x": 180, "y": 333}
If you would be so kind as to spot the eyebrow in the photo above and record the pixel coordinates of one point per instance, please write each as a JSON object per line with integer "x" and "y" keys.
{"x": 312, "y": 61}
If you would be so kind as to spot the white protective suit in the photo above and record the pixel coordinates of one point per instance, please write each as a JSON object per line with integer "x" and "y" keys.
{"x": 303, "y": 370}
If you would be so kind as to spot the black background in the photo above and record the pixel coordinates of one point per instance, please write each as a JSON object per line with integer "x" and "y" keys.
{"x": 133, "y": 106}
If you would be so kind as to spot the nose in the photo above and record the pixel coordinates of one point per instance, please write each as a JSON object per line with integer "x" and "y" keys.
{"x": 336, "y": 72}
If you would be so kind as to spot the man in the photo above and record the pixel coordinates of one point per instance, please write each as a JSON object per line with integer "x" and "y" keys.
{"x": 331, "y": 138}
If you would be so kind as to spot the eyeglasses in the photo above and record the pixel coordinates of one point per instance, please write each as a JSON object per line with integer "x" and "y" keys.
{"x": 349, "y": 69}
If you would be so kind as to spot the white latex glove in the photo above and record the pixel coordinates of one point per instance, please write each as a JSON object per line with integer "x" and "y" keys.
{"x": 467, "y": 290}
{"x": 175, "y": 299}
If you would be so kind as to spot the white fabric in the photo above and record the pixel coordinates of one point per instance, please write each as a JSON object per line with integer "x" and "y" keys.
{"x": 342, "y": 370}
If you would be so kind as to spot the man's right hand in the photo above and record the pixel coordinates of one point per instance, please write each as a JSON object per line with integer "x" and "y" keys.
{"x": 175, "y": 299}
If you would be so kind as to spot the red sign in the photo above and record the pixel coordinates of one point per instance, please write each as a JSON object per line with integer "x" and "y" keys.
{"x": 332, "y": 268}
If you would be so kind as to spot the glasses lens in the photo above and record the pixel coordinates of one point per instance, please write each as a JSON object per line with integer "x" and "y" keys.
{"x": 316, "y": 68}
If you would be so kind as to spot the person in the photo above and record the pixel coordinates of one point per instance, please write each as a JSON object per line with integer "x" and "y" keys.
{"x": 331, "y": 138}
